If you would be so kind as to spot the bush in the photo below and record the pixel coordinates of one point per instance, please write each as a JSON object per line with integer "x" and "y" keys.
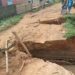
{"x": 70, "y": 25}
{"x": 8, "y": 22}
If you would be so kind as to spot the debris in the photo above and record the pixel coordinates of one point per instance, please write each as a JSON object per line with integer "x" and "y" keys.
{"x": 23, "y": 45}
{"x": 23, "y": 64}
{"x": 6, "y": 54}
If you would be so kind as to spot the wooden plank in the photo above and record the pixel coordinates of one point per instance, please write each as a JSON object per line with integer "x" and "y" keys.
{"x": 6, "y": 54}
{"x": 23, "y": 45}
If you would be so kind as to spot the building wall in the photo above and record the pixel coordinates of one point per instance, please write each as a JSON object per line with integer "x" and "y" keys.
{"x": 12, "y": 7}
{"x": 36, "y": 3}
{"x": 4, "y": 3}
{"x": 0, "y": 2}
{"x": 42, "y": 2}
{"x": 18, "y": 1}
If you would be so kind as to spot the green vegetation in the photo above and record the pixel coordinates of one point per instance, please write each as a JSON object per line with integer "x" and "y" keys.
{"x": 70, "y": 26}
{"x": 8, "y": 22}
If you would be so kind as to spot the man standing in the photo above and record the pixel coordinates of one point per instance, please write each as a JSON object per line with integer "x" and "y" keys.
{"x": 64, "y": 7}
{"x": 69, "y": 5}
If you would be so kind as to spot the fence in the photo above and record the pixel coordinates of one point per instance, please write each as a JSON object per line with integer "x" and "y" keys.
{"x": 7, "y": 11}
{"x": 19, "y": 8}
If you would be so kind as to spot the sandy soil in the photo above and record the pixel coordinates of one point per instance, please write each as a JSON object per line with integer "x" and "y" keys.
{"x": 29, "y": 29}
{"x": 33, "y": 66}
{"x": 40, "y": 67}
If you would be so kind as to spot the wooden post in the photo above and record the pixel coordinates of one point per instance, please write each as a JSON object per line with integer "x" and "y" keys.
{"x": 6, "y": 54}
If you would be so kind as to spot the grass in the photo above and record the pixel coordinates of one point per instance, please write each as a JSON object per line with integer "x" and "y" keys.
{"x": 8, "y": 22}
{"x": 70, "y": 26}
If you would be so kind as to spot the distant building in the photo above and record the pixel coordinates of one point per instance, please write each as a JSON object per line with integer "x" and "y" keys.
{"x": 36, "y": 3}
{"x": 13, "y": 7}
{"x": 10, "y": 2}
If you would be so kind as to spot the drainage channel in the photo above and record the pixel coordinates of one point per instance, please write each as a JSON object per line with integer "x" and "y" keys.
{"x": 57, "y": 21}
{"x": 60, "y": 51}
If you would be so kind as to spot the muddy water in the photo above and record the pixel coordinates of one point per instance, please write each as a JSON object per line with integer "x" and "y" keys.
{"x": 70, "y": 68}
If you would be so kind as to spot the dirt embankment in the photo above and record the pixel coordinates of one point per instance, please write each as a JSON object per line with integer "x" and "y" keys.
{"x": 59, "y": 50}
{"x": 29, "y": 29}
{"x": 33, "y": 66}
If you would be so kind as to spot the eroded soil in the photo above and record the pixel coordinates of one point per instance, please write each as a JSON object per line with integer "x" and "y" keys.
{"x": 30, "y": 29}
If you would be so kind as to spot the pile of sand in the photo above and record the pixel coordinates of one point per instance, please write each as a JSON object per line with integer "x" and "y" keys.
{"x": 39, "y": 67}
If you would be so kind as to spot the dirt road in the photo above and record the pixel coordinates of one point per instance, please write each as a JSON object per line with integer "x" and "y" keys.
{"x": 29, "y": 28}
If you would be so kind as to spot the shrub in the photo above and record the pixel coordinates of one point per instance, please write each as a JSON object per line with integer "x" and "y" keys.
{"x": 8, "y": 22}
{"x": 70, "y": 25}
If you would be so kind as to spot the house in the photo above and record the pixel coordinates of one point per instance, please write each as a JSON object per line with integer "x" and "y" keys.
{"x": 11, "y": 2}
{"x": 38, "y": 3}
{"x": 7, "y": 8}
{"x": 12, "y": 7}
